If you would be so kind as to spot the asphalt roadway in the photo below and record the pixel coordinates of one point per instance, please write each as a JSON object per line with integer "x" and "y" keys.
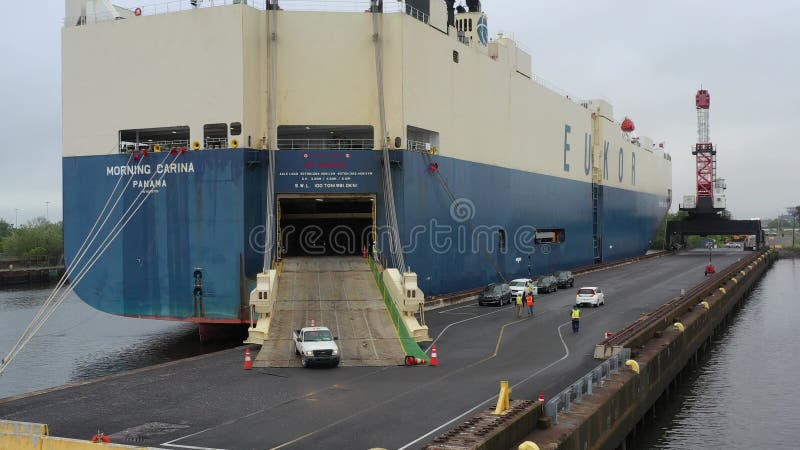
{"x": 211, "y": 402}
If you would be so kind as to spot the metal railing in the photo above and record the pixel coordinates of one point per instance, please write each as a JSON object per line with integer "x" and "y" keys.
{"x": 420, "y": 146}
{"x": 642, "y": 330}
{"x": 415, "y": 13}
{"x": 216, "y": 142}
{"x": 584, "y": 386}
{"x": 168, "y": 7}
{"x": 326, "y": 144}
{"x": 552, "y": 87}
{"x": 150, "y": 146}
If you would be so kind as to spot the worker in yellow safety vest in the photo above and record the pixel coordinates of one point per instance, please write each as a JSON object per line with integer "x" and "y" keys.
{"x": 576, "y": 318}
{"x": 519, "y": 304}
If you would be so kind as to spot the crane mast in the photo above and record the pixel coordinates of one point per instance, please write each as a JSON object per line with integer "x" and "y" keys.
{"x": 705, "y": 207}
{"x": 710, "y": 194}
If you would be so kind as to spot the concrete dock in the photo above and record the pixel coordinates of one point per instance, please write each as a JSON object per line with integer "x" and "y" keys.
{"x": 211, "y": 402}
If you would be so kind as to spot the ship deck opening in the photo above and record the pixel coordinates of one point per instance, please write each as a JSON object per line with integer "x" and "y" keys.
{"x": 325, "y": 224}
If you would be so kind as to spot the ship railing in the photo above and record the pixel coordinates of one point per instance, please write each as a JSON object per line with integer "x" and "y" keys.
{"x": 326, "y": 144}
{"x": 154, "y": 9}
{"x": 415, "y": 13}
{"x": 168, "y": 7}
{"x": 549, "y": 85}
{"x": 165, "y": 146}
{"x": 216, "y": 142}
{"x": 420, "y": 146}
{"x": 344, "y": 6}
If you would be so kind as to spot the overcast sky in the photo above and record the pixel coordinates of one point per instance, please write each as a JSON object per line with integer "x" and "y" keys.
{"x": 648, "y": 58}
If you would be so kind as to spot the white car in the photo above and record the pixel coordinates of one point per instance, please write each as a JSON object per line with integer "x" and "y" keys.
{"x": 518, "y": 287}
{"x": 590, "y": 296}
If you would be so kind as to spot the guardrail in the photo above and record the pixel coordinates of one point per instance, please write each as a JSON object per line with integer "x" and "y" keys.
{"x": 575, "y": 392}
{"x": 31, "y": 262}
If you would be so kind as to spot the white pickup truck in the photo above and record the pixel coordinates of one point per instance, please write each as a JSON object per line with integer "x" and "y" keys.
{"x": 316, "y": 345}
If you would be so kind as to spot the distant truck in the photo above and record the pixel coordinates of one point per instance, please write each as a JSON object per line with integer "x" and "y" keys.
{"x": 750, "y": 242}
{"x": 316, "y": 345}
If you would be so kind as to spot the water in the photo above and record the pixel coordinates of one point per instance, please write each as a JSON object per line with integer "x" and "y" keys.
{"x": 80, "y": 343}
{"x": 745, "y": 393}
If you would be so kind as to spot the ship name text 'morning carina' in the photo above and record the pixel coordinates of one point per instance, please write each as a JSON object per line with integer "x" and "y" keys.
{"x": 312, "y": 132}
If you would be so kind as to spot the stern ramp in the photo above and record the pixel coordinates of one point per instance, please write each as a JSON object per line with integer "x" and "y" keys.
{"x": 338, "y": 292}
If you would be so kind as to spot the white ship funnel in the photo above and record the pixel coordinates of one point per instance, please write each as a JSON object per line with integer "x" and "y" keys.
{"x": 472, "y": 28}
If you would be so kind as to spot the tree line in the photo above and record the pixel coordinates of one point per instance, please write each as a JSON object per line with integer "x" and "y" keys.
{"x": 38, "y": 237}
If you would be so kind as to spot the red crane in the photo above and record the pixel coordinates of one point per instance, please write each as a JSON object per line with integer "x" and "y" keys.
{"x": 705, "y": 153}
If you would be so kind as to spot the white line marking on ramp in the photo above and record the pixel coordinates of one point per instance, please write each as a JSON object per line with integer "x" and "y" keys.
{"x": 461, "y": 321}
{"x": 566, "y": 355}
{"x": 457, "y": 307}
{"x": 191, "y": 447}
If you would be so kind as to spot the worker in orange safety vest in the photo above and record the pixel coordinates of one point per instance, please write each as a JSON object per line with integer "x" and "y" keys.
{"x": 529, "y": 302}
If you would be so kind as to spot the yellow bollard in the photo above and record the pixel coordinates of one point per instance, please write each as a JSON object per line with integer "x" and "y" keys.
{"x": 528, "y": 445}
{"x": 735, "y": 281}
{"x": 705, "y": 304}
{"x": 679, "y": 326}
{"x": 723, "y": 290}
{"x": 502, "y": 399}
{"x": 633, "y": 365}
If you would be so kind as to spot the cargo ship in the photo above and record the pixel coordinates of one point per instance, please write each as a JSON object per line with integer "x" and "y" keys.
{"x": 206, "y": 142}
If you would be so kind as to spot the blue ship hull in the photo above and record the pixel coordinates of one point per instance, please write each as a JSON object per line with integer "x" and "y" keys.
{"x": 206, "y": 213}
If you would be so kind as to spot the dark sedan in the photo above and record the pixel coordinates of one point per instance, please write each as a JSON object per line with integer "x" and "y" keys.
{"x": 495, "y": 294}
{"x": 564, "y": 279}
{"x": 547, "y": 284}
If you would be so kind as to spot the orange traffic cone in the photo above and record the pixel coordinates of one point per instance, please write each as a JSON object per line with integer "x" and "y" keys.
{"x": 100, "y": 437}
{"x": 434, "y": 357}
{"x": 248, "y": 363}
{"x": 541, "y": 397}
{"x": 414, "y": 361}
